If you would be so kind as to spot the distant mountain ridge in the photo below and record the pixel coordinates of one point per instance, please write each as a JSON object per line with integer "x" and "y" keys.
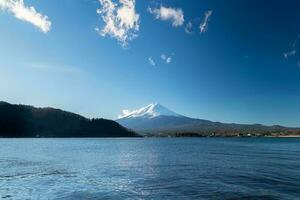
{"x": 28, "y": 121}
{"x": 149, "y": 121}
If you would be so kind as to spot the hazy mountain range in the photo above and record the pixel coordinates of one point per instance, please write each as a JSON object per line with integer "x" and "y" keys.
{"x": 156, "y": 119}
{"x": 151, "y": 120}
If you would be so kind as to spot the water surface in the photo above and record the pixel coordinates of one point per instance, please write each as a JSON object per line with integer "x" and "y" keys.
{"x": 155, "y": 168}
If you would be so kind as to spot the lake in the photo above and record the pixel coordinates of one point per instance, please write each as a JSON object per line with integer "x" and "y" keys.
{"x": 150, "y": 168}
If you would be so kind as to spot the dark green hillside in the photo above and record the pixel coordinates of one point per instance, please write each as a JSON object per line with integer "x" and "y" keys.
{"x": 28, "y": 121}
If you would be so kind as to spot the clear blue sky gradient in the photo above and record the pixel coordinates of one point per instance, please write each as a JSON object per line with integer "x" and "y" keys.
{"x": 235, "y": 72}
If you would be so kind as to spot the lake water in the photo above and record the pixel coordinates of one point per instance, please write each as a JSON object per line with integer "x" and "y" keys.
{"x": 150, "y": 168}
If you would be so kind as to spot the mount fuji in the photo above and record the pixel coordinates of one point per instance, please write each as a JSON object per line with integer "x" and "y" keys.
{"x": 153, "y": 118}
{"x": 156, "y": 119}
{"x": 148, "y": 112}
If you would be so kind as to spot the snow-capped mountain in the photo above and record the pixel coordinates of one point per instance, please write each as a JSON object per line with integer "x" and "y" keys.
{"x": 152, "y": 118}
{"x": 151, "y": 111}
{"x": 156, "y": 119}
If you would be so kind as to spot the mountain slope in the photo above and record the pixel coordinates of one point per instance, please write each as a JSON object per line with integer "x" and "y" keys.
{"x": 150, "y": 111}
{"x": 28, "y": 121}
{"x": 149, "y": 121}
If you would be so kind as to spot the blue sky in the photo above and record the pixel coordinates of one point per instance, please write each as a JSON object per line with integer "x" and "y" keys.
{"x": 230, "y": 61}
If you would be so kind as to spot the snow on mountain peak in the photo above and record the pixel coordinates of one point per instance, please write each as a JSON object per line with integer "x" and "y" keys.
{"x": 150, "y": 111}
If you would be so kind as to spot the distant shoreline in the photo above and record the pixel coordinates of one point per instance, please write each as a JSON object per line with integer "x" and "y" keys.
{"x": 266, "y": 136}
{"x": 284, "y": 136}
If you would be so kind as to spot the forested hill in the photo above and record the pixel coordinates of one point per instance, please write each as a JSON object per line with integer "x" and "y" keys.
{"x": 28, "y": 121}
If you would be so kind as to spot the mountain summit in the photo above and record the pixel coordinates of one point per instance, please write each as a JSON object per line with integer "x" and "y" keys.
{"x": 148, "y": 112}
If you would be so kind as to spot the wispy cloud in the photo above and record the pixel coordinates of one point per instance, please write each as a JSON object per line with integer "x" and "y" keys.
{"x": 188, "y": 28}
{"x": 175, "y": 15}
{"x": 204, "y": 24}
{"x": 286, "y": 55}
{"x": 293, "y": 47}
{"x": 120, "y": 18}
{"x": 167, "y": 59}
{"x": 151, "y": 61}
{"x": 26, "y": 13}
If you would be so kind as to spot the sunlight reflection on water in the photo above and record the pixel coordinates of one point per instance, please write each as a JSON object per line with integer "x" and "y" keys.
{"x": 158, "y": 168}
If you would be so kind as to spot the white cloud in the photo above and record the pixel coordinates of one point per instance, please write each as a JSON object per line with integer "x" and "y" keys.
{"x": 204, "y": 25}
{"x": 27, "y": 14}
{"x": 286, "y": 55}
{"x": 188, "y": 28}
{"x": 167, "y": 59}
{"x": 151, "y": 61}
{"x": 293, "y": 48}
{"x": 173, "y": 14}
{"x": 125, "y": 113}
{"x": 120, "y": 18}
